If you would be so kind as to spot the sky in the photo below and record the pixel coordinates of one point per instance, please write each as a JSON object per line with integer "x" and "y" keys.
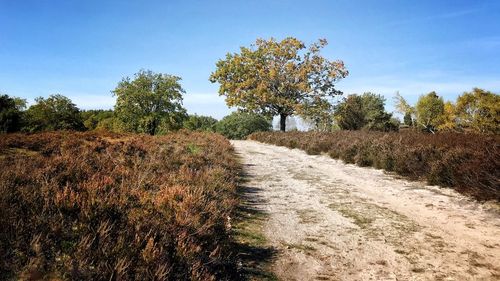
{"x": 82, "y": 49}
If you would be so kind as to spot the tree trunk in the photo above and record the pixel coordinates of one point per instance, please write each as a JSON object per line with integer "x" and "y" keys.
{"x": 282, "y": 122}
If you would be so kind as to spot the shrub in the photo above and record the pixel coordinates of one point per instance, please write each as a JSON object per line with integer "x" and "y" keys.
{"x": 238, "y": 125}
{"x": 101, "y": 206}
{"x": 200, "y": 123}
{"x": 467, "y": 162}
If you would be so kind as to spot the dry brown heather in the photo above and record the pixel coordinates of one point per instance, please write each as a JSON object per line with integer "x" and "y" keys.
{"x": 469, "y": 163}
{"x": 98, "y": 206}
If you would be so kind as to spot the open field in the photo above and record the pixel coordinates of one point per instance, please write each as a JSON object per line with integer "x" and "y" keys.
{"x": 103, "y": 206}
{"x": 325, "y": 220}
{"x": 468, "y": 163}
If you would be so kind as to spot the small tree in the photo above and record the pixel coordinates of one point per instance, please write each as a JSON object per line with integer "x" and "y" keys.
{"x": 150, "y": 103}
{"x": 349, "y": 113}
{"x": 479, "y": 110}
{"x": 403, "y": 107}
{"x": 366, "y": 111}
{"x": 374, "y": 113}
{"x": 238, "y": 125}
{"x": 278, "y": 78}
{"x": 429, "y": 111}
{"x": 11, "y": 113}
{"x": 408, "y": 119}
{"x": 56, "y": 112}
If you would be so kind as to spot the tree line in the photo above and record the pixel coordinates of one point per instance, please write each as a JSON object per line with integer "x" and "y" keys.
{"x": 270, "y": 78}
{"x": 475, "y": 111}
{"x": 285, "y": 78}
{"x": 150, "y": 103}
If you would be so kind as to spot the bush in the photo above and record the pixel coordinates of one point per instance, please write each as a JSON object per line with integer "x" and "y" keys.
{"x": 200, "y": 123}
{"x": 238, "y": 125}
{"x": 467, "y": 162}
{"x": 101, "y": 206}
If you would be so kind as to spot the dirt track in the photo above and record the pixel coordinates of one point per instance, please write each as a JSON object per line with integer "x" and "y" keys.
{"x": 332, "y": 221}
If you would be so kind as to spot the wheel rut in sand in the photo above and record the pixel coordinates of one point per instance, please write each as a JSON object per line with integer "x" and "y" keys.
{"x": 332, "y": 221}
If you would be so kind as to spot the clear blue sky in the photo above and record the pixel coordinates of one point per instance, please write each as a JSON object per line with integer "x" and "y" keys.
{"x": 81, "y": 49}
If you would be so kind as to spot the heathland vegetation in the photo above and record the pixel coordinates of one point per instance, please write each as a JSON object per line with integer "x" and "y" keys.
{"x": 96, "y": 205}
{"x": 468, "y": 163}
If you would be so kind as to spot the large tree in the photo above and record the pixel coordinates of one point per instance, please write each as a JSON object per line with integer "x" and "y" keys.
{"x": 56, "y": 112}
{"x": 278, "y": 77}
{"x": 150, "y": 103}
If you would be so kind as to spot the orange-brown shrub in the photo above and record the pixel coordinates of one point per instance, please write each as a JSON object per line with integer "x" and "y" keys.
{"x": 102, "y": 206}
{"x": 467, "y": 162}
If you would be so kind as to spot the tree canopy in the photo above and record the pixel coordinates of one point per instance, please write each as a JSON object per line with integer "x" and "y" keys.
{"x": 363, "y": 111}
{"x": 92, "y": 118}
{"x": 429, "y": 111}
{"x": 448, "y": 119}
{"x": 278, "y": 77}
{"x": 238, "y": 125}
{"x": 479, "y": 110}
{"x": 56, "y": 112}
{"x": 150, "y": 103}
{"x": 11, "y": 113}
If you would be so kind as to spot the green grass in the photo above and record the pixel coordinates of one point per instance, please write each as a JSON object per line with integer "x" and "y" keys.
{"x": 254, "y": 251}
{"x": 358, "y": 217}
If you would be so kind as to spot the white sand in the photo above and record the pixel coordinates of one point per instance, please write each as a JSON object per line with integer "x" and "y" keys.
{"x": 332, "y": 221}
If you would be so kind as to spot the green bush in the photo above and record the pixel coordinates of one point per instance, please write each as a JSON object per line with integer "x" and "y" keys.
{"x": 238, "y": 125}
{"x": 200, "y": 123}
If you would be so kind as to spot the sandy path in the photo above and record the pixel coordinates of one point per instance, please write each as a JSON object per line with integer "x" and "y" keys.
{"x": 332, "y": 221}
